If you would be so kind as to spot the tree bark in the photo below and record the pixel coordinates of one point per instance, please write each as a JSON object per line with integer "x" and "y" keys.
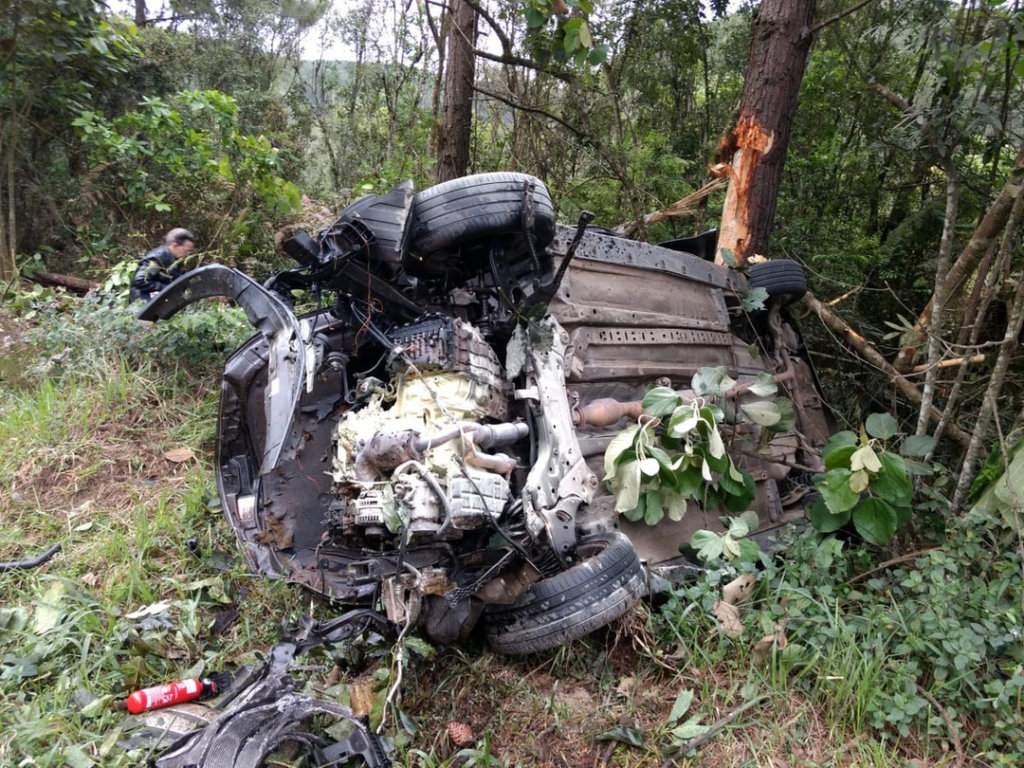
{"x": 457, "y": 123}
{"x": 756, "y": 147}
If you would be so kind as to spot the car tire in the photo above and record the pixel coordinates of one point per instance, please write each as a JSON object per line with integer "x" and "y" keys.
{"x": 477, "y": 207}
{"x": 781, "y": 278}
{"x": 607, "y": 582}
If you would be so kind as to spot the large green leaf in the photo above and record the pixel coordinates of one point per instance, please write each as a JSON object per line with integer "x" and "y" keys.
{"x": 708, "y": 544}
{"x": 875, "y": 520}
{"x": 823, "y": 520}
{"x": 764, "y": 385}
{"x": 628, "y": 496}
{"x": 763, "y": 412}
{"x": 655, "y": 510}
{"x": 893, "y": 482}
{"x": 712, "y": 381}
{"x": 661, "y": 401}
{"x": 839, "y": 457}
{"x": 836, "y": 492}
{"x": 618, "y": 445}
{"x": 837, "y": 441}
{"x": 882, "y": 425}
{"x": 918, "y": 446}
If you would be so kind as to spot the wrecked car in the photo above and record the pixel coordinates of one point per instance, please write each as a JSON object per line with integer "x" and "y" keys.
{"x": 495, "y": 419}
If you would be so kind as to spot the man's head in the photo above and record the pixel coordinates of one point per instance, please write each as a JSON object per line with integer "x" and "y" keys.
{"x": 179, "y": 242}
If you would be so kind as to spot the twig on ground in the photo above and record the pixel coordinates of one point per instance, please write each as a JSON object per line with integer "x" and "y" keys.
{"x": 714, "y": 730}
{"x": 895, "y": 561}
{"x": 949, "y": 724}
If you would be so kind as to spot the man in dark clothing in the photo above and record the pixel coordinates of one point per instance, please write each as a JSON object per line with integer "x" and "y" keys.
{"x": 161, "y": 265}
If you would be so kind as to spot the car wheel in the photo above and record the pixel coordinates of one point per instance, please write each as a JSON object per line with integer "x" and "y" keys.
{"x": 780, "y": 278}
{"x": 606, "y": 583}
{"x": 478, "y": 207}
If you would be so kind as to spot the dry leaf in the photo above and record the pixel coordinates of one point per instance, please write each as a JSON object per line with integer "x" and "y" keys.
{"x": 179, "y": 455}
{"x": 775, "y": 641}
{"x": 728, "y": 618}
{"x": 460, "y": 734}
{"x": 626, "y": 686}
{"x": 739, "y": 588}
{"x": 361, "y": 698}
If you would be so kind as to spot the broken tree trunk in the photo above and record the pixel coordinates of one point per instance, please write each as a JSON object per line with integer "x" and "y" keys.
{"x": 863, "y": 347}
{"x": 990, "y": 226}
{"x": 756, "y": 147}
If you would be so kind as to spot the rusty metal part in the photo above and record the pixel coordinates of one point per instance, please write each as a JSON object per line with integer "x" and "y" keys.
{"x": 604, "y": 412}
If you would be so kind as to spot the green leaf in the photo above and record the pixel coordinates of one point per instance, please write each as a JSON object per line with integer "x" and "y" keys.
{"x": 836, "y": 492}
{"x": 691, "y": 729}
{"x": 839, "y": 440}
{"x": 730, "y": 548}
{"x": 712, "y": 381}
{"x": 715, "y": 445}
{"x": 764, "y": 385}
{"x": 683, "y": 420}
{"x": 586, "y": 41}
{"x": 763, "y": 412}
{"x": 787, "y": 415}
{"x": 750, "y": 551}
{"x": 755, "y": 301}
{"x": 824, "y": 521}
{"x": 675, "y": 503}
{"x": 655, "y": 511}
{"x": 893, "y": 482}
{"x": 839, "y": 457}
{"x": 875, "y": 520}
{"x": 918, "y": 446}
{"x": 738, "y": 528}
{"x": 619, "y": 444}
{"x": 882, "y": 425}
{"x": 534, "y": 18}
{"x": 419, "y": 647}
{"x": 681, "y": 706}
{"x": 628, "y": 496}
{"x": 625, "y": 735}
{"x": 708, "y": 544}
{"x": 661, "y": 401}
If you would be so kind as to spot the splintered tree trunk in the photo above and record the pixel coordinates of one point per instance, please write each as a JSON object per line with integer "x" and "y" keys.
{"x": 756, "y": 147}
{"x": 453, "y": 141}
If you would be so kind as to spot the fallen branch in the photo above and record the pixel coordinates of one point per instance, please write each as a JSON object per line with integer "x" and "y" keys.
{"x": 991, "y": 224}
{"x": 679, "y": 208}
{"x": 846, "y": 295}
{"x": 888, "y": 563}
{"x": 950, "y": 363}
{"x": 862, "y": 347}
{"x": 949, "y": 724}
{"x": 713, "y": 730}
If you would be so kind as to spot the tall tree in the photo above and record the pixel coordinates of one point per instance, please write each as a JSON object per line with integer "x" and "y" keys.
{"x": 457, "y": 114}
{"x": 756, "y": 147}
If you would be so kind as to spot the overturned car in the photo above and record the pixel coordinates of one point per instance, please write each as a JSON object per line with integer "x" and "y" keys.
{"x": 496, "y": 419}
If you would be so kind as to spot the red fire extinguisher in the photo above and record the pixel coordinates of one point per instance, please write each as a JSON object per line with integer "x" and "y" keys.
{"x": 177, "y": 692}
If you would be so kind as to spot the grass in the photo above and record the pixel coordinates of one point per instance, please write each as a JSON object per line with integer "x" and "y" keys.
{"x": 128, "y": 603}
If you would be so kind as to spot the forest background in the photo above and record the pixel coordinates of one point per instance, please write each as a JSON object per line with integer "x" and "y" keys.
{"x": 900, "y": 193}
